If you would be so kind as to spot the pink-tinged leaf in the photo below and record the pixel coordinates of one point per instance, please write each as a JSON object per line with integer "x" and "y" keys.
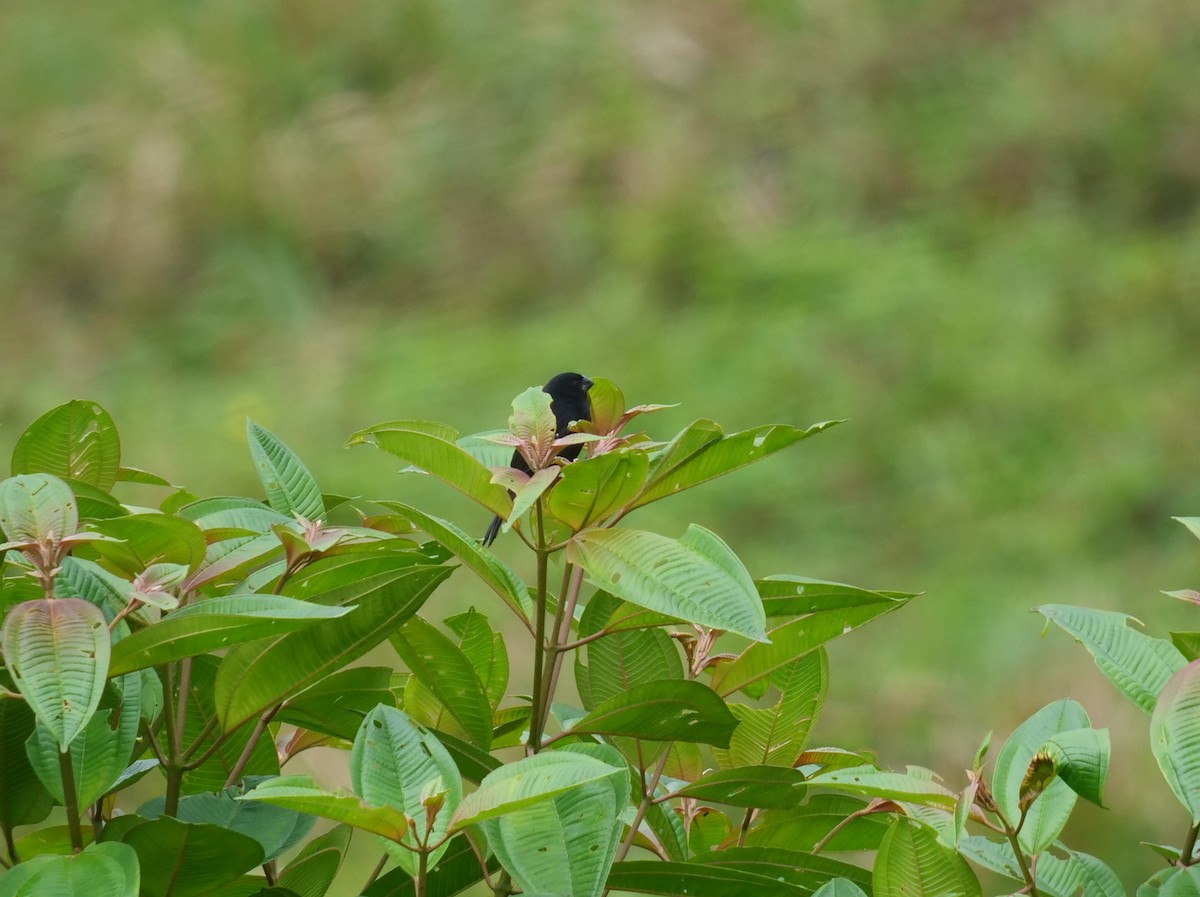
{"x": 528, "y": 494}
{"x": 510, "y": 478}
{"x": 533, "y": 423}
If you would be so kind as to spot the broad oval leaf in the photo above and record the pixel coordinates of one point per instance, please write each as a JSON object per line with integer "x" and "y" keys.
{"x": 396, "y": 763}
{"x": 37, "y": 507}
{"x": 102, "y": 870}
{"x": 1174, "y": 734}
{"x": 1048, "y": 814}
{"x": 290, "y": 487}
{"x": 591, "y": 490}
{"x": 697, "y": 578}
{"x": 1135, "y": 663}
{"x": 432, "y": 448}
{"x": 667, "y": 710}
{"x": 25, "y": 799}
{"x": 532, "y": 779}
{"x": 912, "y": 862}
{"x": 214, "y": 623}
{"x": 77, "y": 440}
{"x": 258, "y": 675}
{"x": 839, "y": 887}
{"x": 57, "y": 650}
{"x": 703, "y": 452}
{"x": 180, "y": 859}
{"x": 312, "y": 871}
{"x": 1081, "y": 758}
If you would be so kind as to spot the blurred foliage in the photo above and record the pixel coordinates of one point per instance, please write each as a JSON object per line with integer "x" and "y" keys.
{"x": 972, "y": 228}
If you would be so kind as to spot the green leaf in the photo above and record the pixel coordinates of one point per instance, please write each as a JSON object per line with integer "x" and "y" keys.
{"x": 589, "y": 491}
{"x": 338, "y": 703}
{"x": 531, "y": 780}
{"x": 300, "y": 793}
{"x": 801, "y": 870}
{"x": 57, "y": 651}
{"x": 143, "y": 477}
{"x": 565, "y": 843}
{"x": 456, "y": 871}
{"x": 1172, "y": 882}
{"x": 150, "y": 538}
{"x": 495, "y": 574}
{"x": 180, "y": 859}
{"x": 618, "y": 661}
{"x": 290, "y": 488}
{"x": 99, "y": 755}
{"x": 312, "y": 871}
{"x": 213, "y": 623}
{"x": 78, "y": 578}
{"x": 694, "y": 880}
{"x": 37, "y": 507}
{"x": 749, "y": 786}
{"x": 791, "y": 640}
{"x": 697, "y": 578}
{"x": 776, "y": 735}
{"x": 230, "y": 559}
{"x": 432, "y": 448}
{"x": 396, "y": 763}
{"x": 442, "y": 668}
{"x": 24, "y": 800}
{"x": 839, "y": 887}
{"x": 277, "y": 829}
{"x": 666, "y": 710}
{"x": 1175, "y": 733}
{"x": 227, "y": 516}
{"x": 703, "y": 452}
{"x": 102, "y": 870}
{"x": 821, "y": 819}
{"x": 258, "y": 675}
{"x": 1048, "y": 814}
{"x": 1060, "y": 872}
{"x": 1135, "y": 663}
{"x": 1188, "y": 644}
{"x": 785, "y": 595}
{"x": 77, "y": 440}
{"x": 912, "y": 862}
{"x": 526, "y": 492}
{"x": 484, "y": 648}
{"x": 1081, "y": 759}
{"x": 898, "y": 786}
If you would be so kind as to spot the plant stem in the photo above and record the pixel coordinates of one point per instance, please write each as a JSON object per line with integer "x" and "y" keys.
{"x": 1030, "y": 884}
{"x": 419, "y": 883}
{"x": 11, "y": 844}
{"x": 746, "y": 820}
{"x": 195, "y": 745}
{"x": 647, "y": 797}
{"x": 503, "y": 886}
{"x": 537, "y": 714}
{"x": 567, "y": 608}
{"x": 248, "y": 751}
{"x": 70, "y": 799}
{"x": 1186, "y": 852}
{"x": 375, "y": 872}
{"x": 185, "y": 684}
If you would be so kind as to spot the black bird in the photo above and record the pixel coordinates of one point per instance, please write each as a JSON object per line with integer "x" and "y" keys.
{"x": 569, "y": 401}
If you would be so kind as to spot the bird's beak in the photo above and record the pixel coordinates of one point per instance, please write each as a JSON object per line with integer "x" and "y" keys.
{"x": 587, "y": 383}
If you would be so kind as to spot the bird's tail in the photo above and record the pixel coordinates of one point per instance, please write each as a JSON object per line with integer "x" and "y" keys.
{"x": 493, "y": 530}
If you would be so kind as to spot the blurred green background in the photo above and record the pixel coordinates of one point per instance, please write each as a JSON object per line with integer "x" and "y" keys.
{"x": 972, "y": 228}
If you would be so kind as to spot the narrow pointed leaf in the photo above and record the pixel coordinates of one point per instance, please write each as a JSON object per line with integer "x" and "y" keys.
{"x": 57, "y": 651}
{"x": 144, "y": 539}
{"x": 785, "y": 595}
{"x": 1135, "y": 663}
{"x": 667, "y": 710}
{"x": 339, "y": 703}
{"x": 77, "y": 440}
{"x": 776, "y": 735}
{"x": 872, "y": 782}
{"x": 802, "y": 870}
{"x": 442, "y": 668}
{"x": 215, "y": 623}
{"x": 703, "y": 452}
{"x": 697, "y": 578}
{"x": 258, "y": 675}
{"x": 766, "y": 787}
{"x": 432, "y": 448}
{"x": 312, "y": 871}
{"x": 290, "y": 488}
{"x": 300, "y": 793}
{"x": 695, "y": 880}
{"x": 495, "y": 574}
